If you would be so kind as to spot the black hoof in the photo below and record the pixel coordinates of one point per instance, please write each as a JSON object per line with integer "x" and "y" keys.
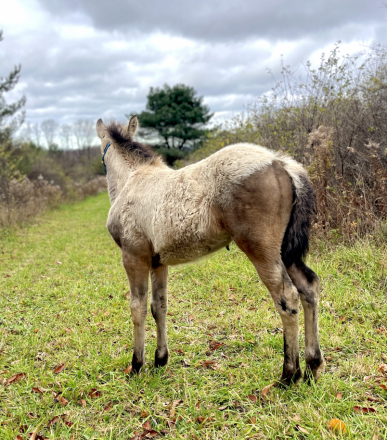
{"x": 289, "y": 378}
{"x": 313, "y": 369}
{"x": 136, "y": 365}
{"x": 161, "y": 361}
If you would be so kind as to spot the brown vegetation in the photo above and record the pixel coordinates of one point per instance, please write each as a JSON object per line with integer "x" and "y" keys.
{"x": 334, "y": 121}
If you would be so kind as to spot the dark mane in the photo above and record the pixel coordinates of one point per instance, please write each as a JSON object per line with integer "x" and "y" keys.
{"x": 121, "y": 139}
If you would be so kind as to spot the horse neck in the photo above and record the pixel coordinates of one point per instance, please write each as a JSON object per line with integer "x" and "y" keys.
{"x": 118, "y": 172}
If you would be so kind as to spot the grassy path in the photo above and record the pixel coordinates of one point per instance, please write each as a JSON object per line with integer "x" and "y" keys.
{"x": 63, "y": 301}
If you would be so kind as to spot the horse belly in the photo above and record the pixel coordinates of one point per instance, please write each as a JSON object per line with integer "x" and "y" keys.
{"x": 186, "y": 249}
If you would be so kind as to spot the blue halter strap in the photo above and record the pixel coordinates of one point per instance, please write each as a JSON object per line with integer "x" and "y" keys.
{"x": 103, "y": 156}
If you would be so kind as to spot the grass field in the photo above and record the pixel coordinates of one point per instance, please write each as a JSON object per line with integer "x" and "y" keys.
{"x": 66, "y": 339}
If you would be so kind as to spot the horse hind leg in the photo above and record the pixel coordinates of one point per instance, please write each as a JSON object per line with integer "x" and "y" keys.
{"x": 286, "y": 300}
{"x": 159, "y": 306}
{"x": 307, "y": 283}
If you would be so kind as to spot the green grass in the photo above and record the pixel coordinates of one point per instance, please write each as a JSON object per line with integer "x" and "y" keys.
{"x": 63, "y": 301}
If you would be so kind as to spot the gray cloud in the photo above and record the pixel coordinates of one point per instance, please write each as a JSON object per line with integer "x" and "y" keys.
{"x": 91, "y": 59}
{"x": 220, "y": 20}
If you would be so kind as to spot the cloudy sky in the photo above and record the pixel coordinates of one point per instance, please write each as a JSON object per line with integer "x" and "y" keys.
{"x": 92, "y": 58}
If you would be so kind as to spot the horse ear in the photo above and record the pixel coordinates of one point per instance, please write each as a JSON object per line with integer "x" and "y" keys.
{"x": 100, "y": 127}
{"x": 132, "y": 127}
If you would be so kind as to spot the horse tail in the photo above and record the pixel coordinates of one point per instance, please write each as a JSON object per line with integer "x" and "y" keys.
{"x": 295, "y": 244}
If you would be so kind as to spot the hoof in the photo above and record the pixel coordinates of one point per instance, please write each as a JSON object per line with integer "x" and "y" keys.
{"x": 313, "y": 369}
{"x": 161, "y": 361}
{"x": 288, "y": 378}
{"x": 136, "y": 364}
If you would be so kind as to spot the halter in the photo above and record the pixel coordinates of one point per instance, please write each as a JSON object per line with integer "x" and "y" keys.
{"x": 103, "y": 156}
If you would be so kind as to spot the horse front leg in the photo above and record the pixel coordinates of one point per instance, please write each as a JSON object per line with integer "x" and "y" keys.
{"x": 137, "y": 270}
{"x": 159, "y": 307}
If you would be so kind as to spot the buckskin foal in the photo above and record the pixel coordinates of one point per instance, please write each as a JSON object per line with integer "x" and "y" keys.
{"x": 244, "y": 193}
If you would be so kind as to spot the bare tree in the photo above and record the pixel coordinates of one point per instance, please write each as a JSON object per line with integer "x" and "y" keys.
{"x": 49, "y": 128}
{"x": 36, "y": 133}
{"x": 84, "y": 132}
{"x": 66, "y": 135}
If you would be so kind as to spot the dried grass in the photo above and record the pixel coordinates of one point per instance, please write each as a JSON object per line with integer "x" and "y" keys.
{"x": 23, "y": 199}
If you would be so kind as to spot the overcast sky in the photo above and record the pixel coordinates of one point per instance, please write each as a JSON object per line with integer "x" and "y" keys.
{"x": 92, "y": 58}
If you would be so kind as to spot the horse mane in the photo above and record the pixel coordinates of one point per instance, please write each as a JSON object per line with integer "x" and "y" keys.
{"x": 121, "y": 139}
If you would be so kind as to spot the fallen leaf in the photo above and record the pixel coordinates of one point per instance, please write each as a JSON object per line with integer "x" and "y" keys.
{"x": 19, "y": 437}
{"x": 222, "y": 408}
{"x": 373, "y": 399}
{"x": 53, "y": 421}
{"x": 62, "y": 400}
{"x": 59, "y": 369}
{"x": 339, "y": 396}
{"x": 151, "y": 433}
{"x": 15, "y": 378}
{"x": 34, "y": 434}
{"x": 108, "y": 407}
{"x": 174, "y": 405}
{"x": 266, "y": 390}
{"x": 337, "y": 425}
{"x": 301, "y": 429}
{"x": 68, "y": 330}
{"x": 383, "y": 386}
{"x": 383, "y": 369}
{"x": 253, "y": 398}
{"x": 207, "y": 364}
{"x": 360, "y": 409}
{"x": 82, "y": 403}
{"x": 128, "y": 370}
{"x": 200, "y": 419}
{"x": 177, "y": 350}
{"x": 230, "y": 379}
{"x": 198, "y": 404}
{"x": 37, "y": 390}
{"x": 296, "y": 417}
{"x": 144, "y": 414}
{"x": 147, "y": 425}
{"x": 94, "y": 394}
{"x": 253, "y": 420}
{"x": 190, "y": 318}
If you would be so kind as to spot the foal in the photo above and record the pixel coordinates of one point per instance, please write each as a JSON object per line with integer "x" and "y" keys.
{"x": 244, "y": 193}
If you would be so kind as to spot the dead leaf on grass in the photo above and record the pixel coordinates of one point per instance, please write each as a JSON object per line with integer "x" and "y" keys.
{"x": 190, "y": 318}
{"x": 339, "y": 396}
{"x": 82, "y": 403}
{"x": 19, "y": 437}
{"x": 296, "y": 418}
{"x": 253, "y": 398}
{"x": 108, "y": 407}
{"x": 383, "y": 386}
{"x": 266, "y": 390}
{"x": 15, "y": 378}
{"x": 211, "y": 364}
{"x": 360, "y": 409}
{"x": 37, "y": 390}
{"x": 174, "y": 405}
{"x": 59, "y": 369}
{"x": 94, "y": 394}
{"x": 147, "y": 425}
{"x": 383, "y": 369}
{"x": 373, "y": 399}
{"x": 301, "y": 429}
{"x": 230, "y": 379}
{"x": 68, "y": 330}
{"x": 128, "y": 370}
{"x": 337, "y": 425}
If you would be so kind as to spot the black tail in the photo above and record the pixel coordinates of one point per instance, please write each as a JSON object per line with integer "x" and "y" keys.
{"x": 295, "y": 243}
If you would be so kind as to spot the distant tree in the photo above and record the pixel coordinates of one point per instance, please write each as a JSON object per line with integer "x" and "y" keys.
{"x": 49, "y": 128}
{"x": 176, "y": 114}
{"x": 8, "y": 121}
{"x": 84, "y": 132}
